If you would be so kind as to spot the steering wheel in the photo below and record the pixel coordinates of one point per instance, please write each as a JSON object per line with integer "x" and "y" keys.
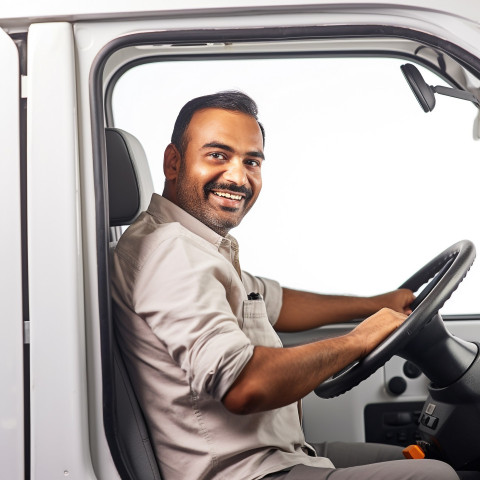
{"x": 444, "y": 273}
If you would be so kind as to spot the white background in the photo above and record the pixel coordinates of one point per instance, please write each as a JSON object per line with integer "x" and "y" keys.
{"x": 361, "y": 187}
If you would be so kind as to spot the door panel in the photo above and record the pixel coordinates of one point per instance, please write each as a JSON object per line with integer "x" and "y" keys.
{"x": 58, "y": 385}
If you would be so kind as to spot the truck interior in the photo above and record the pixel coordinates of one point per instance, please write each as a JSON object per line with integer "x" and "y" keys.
{"x": 397, "y": 411}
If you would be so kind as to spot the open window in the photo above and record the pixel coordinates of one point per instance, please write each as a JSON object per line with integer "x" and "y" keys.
{"x": 360, "y": 186}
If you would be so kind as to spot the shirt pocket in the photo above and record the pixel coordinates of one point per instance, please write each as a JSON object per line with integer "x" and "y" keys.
{"x": 256, "y": 326}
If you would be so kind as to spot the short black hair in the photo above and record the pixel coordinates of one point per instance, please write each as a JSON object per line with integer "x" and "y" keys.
{"x": 232, "y": 100}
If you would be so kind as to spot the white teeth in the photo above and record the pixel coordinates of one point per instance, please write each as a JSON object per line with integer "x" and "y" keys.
{"x": 228, "y": 195}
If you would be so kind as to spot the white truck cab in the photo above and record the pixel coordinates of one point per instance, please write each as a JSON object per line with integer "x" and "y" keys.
{"x": 69, "y": 72}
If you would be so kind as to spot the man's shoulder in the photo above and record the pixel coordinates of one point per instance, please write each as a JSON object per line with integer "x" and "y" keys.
{"x": 145, "y": 238}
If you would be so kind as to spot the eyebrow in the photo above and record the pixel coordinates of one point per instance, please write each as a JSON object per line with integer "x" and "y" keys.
{"x": 222, "y": 146}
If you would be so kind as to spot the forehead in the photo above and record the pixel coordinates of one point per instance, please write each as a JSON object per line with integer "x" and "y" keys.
{"x": 230, "y": 127}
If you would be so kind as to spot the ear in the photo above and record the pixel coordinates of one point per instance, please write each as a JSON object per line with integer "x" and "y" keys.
{"x": 171, "y": 162}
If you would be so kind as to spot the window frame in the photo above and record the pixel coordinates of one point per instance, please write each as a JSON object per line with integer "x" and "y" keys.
{"x": 100, "y": 101}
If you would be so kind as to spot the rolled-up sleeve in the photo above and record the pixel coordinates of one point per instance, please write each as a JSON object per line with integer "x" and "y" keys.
{"x": 182, "y": 294}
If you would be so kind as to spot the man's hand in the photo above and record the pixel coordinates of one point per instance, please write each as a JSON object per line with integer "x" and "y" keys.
{"x": 398, "y": 300}
{"x": 376, "y": 328}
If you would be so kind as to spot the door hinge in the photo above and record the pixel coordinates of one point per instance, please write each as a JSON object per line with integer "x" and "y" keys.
{"x": 26, "y": 332}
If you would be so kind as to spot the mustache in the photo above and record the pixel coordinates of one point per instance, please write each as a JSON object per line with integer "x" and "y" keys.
{"x": 230, "y": 187}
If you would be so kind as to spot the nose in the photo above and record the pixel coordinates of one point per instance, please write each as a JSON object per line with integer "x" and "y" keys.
{"x": 236, "y": 172}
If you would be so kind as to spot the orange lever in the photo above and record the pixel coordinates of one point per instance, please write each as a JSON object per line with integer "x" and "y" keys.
{"x": 413, "y": 452}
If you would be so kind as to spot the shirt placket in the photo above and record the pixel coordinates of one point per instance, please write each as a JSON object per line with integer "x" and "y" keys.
{"x": 229, "y": 249}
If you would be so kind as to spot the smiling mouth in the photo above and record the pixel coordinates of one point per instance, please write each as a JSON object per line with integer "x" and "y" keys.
{"x": 230, "y": 196}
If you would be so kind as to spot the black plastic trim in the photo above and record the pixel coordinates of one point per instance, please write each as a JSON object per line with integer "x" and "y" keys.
{"x": 20, "y": 40}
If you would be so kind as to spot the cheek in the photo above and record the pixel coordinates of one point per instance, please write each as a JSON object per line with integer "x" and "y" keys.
{"x": 195, "y": 177}
{"x": 202, "y": 171}
{"x": 257, "y": 185}
{"x": 203, "y": 174}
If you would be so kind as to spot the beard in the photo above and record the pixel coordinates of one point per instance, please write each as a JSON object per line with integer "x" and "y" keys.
{"x": 194, "y": 199}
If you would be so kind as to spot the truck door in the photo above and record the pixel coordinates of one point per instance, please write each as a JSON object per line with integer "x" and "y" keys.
{"x": 12, "y": 458}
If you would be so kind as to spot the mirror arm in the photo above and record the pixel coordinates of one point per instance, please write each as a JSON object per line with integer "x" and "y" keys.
{"x": 453, "y": 92}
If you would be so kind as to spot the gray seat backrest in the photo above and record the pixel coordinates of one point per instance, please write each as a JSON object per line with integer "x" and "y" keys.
{"x": 130, "y": 187}
{"x": 130, "y": 184}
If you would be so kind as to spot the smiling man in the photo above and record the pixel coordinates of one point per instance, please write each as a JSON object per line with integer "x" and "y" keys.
{"x": 219, "y": 392}
{"x": 221, "y": 179}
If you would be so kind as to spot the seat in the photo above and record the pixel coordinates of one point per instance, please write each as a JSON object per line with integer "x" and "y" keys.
{"x": 130, "y": 184}
{"x": 130, "y": 188}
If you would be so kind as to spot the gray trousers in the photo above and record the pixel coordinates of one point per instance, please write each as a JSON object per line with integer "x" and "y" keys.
{"x": 368, "y": 461}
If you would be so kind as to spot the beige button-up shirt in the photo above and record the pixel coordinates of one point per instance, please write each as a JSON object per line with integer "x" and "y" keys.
{"x": 187, "y": 329}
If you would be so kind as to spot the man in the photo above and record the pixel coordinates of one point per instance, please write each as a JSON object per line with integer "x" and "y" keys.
{"x": 219, "y": 394}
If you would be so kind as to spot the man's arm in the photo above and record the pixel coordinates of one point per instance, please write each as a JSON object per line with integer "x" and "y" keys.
{"x": 275, "y": 377}
{"x": 304, "y": 310}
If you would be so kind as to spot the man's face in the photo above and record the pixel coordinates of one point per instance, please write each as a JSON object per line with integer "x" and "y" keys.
{"x": 219, "y": 177}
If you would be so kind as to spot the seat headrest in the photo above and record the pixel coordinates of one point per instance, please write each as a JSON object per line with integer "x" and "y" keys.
{"x": 130, "y": 184}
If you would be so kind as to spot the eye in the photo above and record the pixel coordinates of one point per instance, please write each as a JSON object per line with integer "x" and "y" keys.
{"x": 253, "y": 163}
{"x": 217, "y": 155}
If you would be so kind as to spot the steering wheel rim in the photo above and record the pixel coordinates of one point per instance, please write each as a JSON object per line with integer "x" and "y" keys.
{"x": 452, "y": 266}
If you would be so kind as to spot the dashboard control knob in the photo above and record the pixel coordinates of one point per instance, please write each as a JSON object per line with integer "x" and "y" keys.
{"x": 411, "y": 370}
{"x": 397, "y": 385}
